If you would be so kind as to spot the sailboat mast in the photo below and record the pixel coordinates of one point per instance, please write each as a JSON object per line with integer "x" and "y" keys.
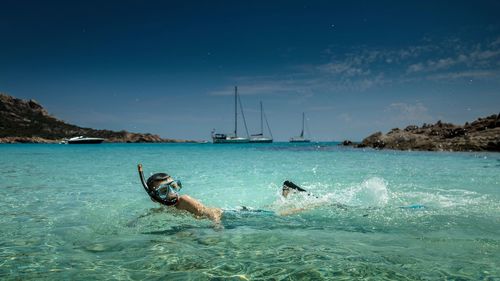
{"x": 235, "y": 111}
{"x": 261, "y": 121}
{"x": 268, "y": 127}
{"x": 302, "y": 133}
{"x": 243, "y": 115}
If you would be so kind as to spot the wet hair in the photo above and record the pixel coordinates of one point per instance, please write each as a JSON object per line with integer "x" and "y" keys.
{"x": 156, "y": 177}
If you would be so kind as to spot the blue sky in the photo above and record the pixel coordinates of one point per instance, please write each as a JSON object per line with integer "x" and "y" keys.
{"x": 169, "y": 68}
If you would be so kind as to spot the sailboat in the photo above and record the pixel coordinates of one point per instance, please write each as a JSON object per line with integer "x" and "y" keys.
{"x": 300, "y": 138}
{"x": 259, "y": 138}
{"x": 224, "y": 138}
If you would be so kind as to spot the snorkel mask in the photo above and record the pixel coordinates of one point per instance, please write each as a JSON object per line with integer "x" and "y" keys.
{"x": 166, "y": 193}
{"x": 168, "y": 189}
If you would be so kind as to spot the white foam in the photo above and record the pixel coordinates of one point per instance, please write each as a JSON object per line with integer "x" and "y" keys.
{"x": 372, "y": 192}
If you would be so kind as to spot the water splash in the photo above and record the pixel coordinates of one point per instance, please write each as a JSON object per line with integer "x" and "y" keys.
{"x": 372, "y": 192}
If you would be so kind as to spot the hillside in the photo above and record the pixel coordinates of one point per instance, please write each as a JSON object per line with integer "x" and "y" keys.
{"x": 480, "y": 135}
{"x": 26, "y": 121}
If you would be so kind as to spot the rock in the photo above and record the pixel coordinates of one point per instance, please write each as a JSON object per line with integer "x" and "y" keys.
{"x": 394, "y": 130}
{"x": 28, "y": 122}
{"x": 411, "y": 128}
{"x": 347, "y": 143}
{"x": 480, "y": 135}
{"x": 375, "y": 140}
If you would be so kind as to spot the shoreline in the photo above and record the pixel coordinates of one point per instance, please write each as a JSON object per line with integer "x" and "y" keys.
{"x": 38, "y": 140}
{"x": 320, "y": 144}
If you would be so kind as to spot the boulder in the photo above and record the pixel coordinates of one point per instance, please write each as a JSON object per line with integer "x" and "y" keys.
{"x": 480, "y": 135}
{"x": 347, "y": 143}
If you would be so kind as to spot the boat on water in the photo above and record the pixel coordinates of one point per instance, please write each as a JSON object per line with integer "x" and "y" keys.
{"x": 234, "y": 138}
{"x": 301, "y": 138}
{"x": 223, "y": 138}
{"x": 260, "y": 138}
{"x": 83, "y": 140}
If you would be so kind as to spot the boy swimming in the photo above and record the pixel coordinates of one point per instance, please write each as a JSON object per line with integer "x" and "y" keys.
{"x": 163, "y": 189}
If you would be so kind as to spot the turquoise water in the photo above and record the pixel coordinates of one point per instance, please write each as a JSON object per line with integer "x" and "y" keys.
{"x": 79, "y": 212}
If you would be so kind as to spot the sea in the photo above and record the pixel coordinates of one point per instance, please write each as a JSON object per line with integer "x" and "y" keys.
{"x": 79, "y": 212}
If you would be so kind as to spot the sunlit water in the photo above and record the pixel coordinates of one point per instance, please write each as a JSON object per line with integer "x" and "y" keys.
{"x": 79, "y": 212}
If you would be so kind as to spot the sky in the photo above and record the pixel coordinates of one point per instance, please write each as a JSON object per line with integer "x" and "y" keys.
{"x": 170, "y": 67}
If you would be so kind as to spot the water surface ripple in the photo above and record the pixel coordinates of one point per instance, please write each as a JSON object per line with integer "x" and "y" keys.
{"x": 79, "y": 212}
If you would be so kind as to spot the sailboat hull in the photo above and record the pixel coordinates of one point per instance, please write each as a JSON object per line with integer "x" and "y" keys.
{"x": 261, "y": 140}
{"x": 300, "y": 140}
{"x": 230, "y": 140}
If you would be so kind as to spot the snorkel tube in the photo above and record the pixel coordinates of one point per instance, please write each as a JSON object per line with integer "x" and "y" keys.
{"x": 143, "y": 180}
{"x": 152, "y": 192}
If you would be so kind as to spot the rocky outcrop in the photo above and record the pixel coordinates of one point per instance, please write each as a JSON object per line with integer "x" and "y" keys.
{"x": 26, "y": 121}
{"x": 347, "y": 143}
{"x": 480, "y": 135}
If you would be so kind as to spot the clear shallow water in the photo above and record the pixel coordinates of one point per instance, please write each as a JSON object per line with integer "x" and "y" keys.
{"x": 79, "y": 212}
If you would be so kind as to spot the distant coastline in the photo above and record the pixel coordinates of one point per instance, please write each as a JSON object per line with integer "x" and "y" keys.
{"x": 26, "y": 121}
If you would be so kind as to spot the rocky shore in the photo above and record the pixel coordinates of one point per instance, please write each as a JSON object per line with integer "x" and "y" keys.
{"x": 480, "y": 135}
{"x": 26, "y": 121}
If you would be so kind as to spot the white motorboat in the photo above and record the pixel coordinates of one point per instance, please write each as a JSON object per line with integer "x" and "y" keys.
{"x": 84, "y": 140}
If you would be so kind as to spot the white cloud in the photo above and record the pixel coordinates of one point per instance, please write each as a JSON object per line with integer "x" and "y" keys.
{"x": 459, "y": 55}
{"x": 344, "y": 68}
{"x": 371, "y": 82}
{"x": 442, "y": 63}
{"x": 495, "y": 43}
{"x": 415, "y": 67}
{"x": 414, "y": 113}
{"x": 353, "y": 64}
{"x": 285, "y": 85}
{"x": 436, "y": 65}
{"x": 480, "y": 55}
{"x": 366, "y": 68}
{"x": 257, "y": 88}
{"x": 473, "y": 74}
{"x": 414, "y": 51}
